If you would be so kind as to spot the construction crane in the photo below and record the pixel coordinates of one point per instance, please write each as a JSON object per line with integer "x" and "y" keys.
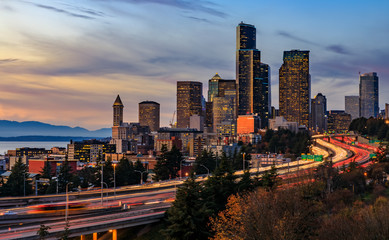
{"x": 171, "y": 123}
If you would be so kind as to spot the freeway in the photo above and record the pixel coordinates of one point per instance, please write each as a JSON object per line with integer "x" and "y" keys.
{"x": 148, "y": 202}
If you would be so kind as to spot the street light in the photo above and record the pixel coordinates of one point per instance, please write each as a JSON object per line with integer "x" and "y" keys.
{"x": 181, "y": 167}
{"x": 102, "y": 181}
{"x": 205, "y": 168}
{"x": 67, "y": 200}
{"x": 114, "y": 179}
{"x": 141, "y": 175}
{"x": 56, "y": 179}
{"x": 243, "y": 160}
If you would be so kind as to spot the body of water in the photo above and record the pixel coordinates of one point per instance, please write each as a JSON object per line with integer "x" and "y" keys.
{"x": 5, "y": 146}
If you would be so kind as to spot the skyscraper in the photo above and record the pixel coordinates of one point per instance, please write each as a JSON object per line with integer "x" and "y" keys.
{"x": 351, "y": 106}
{"x": 318, "y": 111}
{"x": 252, "y": 77}
{"x": 217, "y": 86}
{"x": 149, "y": 115}
{"x": 368, "y": 95}
{"x": 221, "y": 92}
{"x": 189, "y": 101}
{"x": 295, "y": 87}
{"x": 117, "y": 112}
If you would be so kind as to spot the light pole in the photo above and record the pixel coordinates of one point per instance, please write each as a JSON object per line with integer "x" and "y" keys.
{"x": 243, "y": 160}
{"x": 141, "y": 175}
{"x": 67, "y": 201}
{"x": 114, "y": 179}
{"x": 102, "y": 181}
{"x": 24, "y": 184}
{"x": 205, "y": 168}
{"x": 181, "y": 167}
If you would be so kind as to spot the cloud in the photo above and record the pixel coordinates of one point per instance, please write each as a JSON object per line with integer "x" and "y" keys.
{"x": 199, "y": 19}
{"x": 291, "y": 36}
{"x": 68, "y": 13}
{"x": 8, "y": 60}
{"x": 338, "y": 49}
{"x": 194, "y": 6}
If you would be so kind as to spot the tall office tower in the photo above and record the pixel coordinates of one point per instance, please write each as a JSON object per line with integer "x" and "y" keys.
{"x": 189, "y": 101}
{"x": 252, "y": 77}
{"x": 218, "y": 89}
{"x": 368, "y": 95}
{"x": 351, "y": 106}
{"x": 217, "y": 86}
{"x": 224, "y": 108}
{"x": 262, "y": 96}
{"x": 149, "y": 115}
{"x": 318, "y": 111}
{"x": 295, "y": 87}
{"x": 386, "y": 111}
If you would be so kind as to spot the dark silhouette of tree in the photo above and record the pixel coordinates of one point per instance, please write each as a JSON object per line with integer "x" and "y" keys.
{"x": 18, "y": 181}
{"x": 188, "y": 216}
{"x": 43, "y": 231}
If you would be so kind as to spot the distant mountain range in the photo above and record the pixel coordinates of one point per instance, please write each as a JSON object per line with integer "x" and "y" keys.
{"x": 38, "y": 129}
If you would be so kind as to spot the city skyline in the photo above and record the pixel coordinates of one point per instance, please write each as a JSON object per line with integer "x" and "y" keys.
{"x": 63, "y": 62}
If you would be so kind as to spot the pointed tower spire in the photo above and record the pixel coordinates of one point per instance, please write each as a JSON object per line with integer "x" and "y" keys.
{"x": 118, "y": 101}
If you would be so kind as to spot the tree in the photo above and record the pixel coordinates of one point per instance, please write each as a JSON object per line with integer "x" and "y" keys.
{"x": 65, "y": 235}
{"x": 188, "y": 216}
{"x": 108, "y": 173}
{"x": 161, "y": 168}
{"x": 18, "y": 183}
{"x": 88, "y": 176}
{"x": 139, "y": 167}
{"x": 43, "y": 231}
{"x": 168, "y": 163}
{"x": 65, "y": 176}
{"x": 125, "y": 174}
{"x": 46, "y": 170}
{"x": 208, "y": 159}
{"x": 269, "y": 179}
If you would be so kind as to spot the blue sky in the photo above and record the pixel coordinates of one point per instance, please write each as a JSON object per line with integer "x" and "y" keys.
{"x": 63, "y": 62}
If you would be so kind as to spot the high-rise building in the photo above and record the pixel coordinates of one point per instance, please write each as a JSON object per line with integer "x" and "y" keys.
{"x": 149, "y": 115}
{"x": 221, "y": 101}
{"x": 351, "y": 106}
{"x": 217, "y": 86}
{"x": 224, "y": 108}
{"x": 189, "y": 101}
{"x": 338, "y": 121}
{"x": 368, "y": 95}
{"x": 295, "y": 87}
{"x": 386, "y": 111}
{"x": 117, "y": 112}
{"x": 252, "y": 77}
{"x": 318, "y": 111}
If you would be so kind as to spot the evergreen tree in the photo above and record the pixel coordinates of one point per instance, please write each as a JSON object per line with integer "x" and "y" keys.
{"x": 125, "y": 174}
{"x": 220, "y": 186}
{"x": 88, "y": 176}
{"x": 187, "y": 218}
{"x": 65, "y": 176}
{"x": 18, "y": 182}
{"x": 161, "y": 169}
{"x": 46, "y": 170}
{"x": 269, "y": 179}
{"x": 208, "y": 159}
{"x": 108, "y": 173}
{"x": 139, "y": 167}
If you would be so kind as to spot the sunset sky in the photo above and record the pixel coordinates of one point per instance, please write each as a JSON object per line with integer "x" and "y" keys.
{"x": 64, "y": 62}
